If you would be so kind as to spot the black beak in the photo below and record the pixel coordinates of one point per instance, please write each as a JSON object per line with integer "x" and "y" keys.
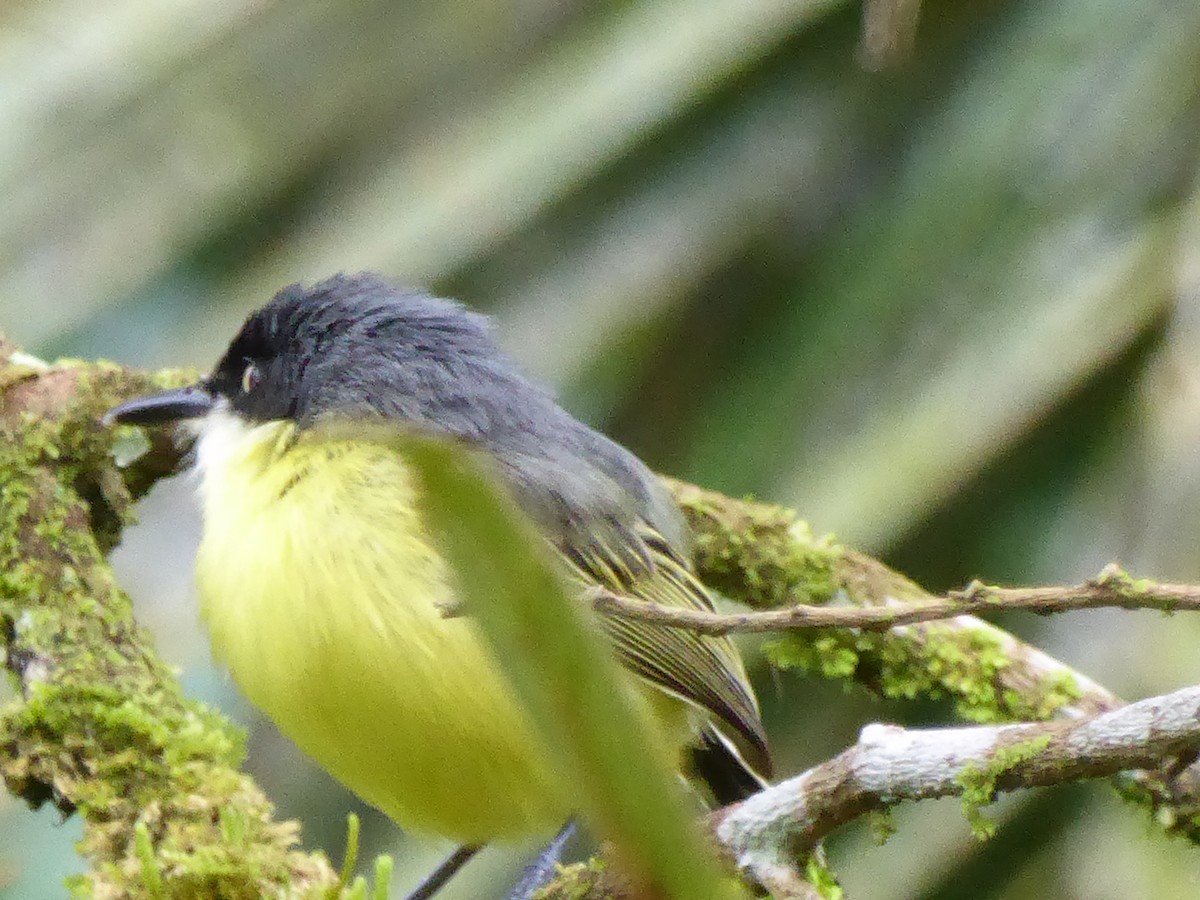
{"x": 159, "y": 409}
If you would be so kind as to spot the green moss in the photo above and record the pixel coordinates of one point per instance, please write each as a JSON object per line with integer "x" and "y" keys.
{"x": 100, "y": 727}
{"x": 767, "y": 557}
{"x": 979, "y": 783}
{"x": 578, "y": 881}
{"x": 762, "y": 555}
{"x": 151, "y": 874}
{"x": 963, "y": 665}
{"x": 820, "y": 876}
{"x": 832, "y": 654}
{"x": 1043, "y": 700}
{"x": 1117, "y": 580}
{"x": 383, "y": 877}
{"x": 1172, "y": 810}
{"x": 882, "y": 824}
{"x": 350, "y": 859}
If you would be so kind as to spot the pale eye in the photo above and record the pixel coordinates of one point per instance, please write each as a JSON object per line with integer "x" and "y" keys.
{"x": 250, "y": 378}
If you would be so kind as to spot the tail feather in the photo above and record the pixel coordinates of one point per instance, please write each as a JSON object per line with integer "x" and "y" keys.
{"x": 715, "y": 763}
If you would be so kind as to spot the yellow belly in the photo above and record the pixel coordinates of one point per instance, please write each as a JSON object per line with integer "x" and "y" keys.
{"x": 322, "y": 598}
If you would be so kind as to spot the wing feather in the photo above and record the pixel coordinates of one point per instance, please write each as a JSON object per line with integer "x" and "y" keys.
{"x": 702, "y": 670}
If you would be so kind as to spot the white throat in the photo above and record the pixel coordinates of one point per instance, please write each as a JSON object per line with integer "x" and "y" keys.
{"x": 227, "y": 443}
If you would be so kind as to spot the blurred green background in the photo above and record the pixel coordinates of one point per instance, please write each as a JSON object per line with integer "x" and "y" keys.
{"x": 947, "y": 303}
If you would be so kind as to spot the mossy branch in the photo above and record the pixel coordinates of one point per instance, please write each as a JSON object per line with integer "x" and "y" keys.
{"x": 767, "y": 557}
{"x": 101, "y": 728}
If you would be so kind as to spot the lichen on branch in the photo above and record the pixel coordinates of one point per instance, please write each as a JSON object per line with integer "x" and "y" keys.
{"x": 890, "y": 764}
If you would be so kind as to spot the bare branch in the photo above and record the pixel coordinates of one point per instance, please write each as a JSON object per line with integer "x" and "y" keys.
{"x": 766, "y": 833}
{"x": 1112, "y": 588}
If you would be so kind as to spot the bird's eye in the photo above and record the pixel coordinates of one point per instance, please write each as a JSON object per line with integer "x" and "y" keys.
{"x": 250, "y": 378}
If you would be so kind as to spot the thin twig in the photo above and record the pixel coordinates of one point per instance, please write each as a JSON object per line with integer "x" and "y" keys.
{"x": 1112, "y": 588}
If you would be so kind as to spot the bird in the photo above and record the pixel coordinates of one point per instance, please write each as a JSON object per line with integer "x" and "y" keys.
{"x": 325, "y": 595}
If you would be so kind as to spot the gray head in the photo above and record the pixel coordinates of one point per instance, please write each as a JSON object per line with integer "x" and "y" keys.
{"x": 356, "y": 346}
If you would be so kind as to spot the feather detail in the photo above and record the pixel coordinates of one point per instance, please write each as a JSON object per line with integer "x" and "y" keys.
{"x": 704, "y": 671}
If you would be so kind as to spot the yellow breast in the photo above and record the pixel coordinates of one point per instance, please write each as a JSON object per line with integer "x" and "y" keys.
{"x": 322, "y": 597}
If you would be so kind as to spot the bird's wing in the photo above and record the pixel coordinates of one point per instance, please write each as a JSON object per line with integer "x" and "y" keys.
{"x": 702, "y": 670}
